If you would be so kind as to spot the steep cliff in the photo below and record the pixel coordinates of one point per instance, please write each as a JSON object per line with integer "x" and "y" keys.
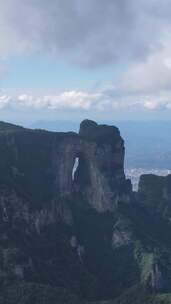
{"x": 58, "y": 192}
{"x": 71, "y": 229}
{"x": 155, "y": 193}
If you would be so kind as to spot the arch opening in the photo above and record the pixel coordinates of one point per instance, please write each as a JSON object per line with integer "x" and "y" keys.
{"x": 75, "y": 167}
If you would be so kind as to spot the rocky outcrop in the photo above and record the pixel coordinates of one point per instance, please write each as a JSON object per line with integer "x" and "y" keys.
{"x": 57, "y": 190}
{"x": 152, "y": 186}
{"x": 155, "y": 193}
{"x": 157, "y": 282}
{"x": 102, "y": 166}
{"x": 69, "y": 218}
{"x": 99, "y": 152}
{"x": 121, "y": 238}
{"x": 42, "y": 163}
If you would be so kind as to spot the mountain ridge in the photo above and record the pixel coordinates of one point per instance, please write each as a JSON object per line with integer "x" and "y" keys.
{"x": 71, "y": 228}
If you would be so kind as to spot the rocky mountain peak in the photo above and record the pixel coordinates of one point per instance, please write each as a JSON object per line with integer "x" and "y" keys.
{"x": 101, "y": 134}
{"x": 70, "y": 225}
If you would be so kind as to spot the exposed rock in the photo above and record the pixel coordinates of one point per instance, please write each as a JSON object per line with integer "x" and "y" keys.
{"x": 121, "y": 238}
{"x": 41, "y": 190}
{"x": 157, "y": 283}
{"x": 155, "y": 193}
{"x": 103, "y": 164}
{"x": 73, "y": 241}
{"x": 18, "y": 271}
{"x": 69, "y": 218}
{"x": 81, "y": 252}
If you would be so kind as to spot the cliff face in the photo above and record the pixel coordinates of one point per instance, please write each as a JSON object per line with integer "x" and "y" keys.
{"x": 69, "y": 218}
{"x": 88, "y": 162}
{"x": 155, "y": 193}
{"x": 57, "y": 190}
{"x": 102, "y": 167}
{"x": 40, "y": 165}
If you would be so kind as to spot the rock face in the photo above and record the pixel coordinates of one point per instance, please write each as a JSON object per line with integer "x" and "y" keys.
{"x": 41, "y": 164}
{"x": 58, "y": 191}
{"x": 70, "y": 226}
{"x": 99, "y": 151}
{"x": 101, "y": 166}
{"x": 155, "y": 193}
{"x": 156, "y": 278}
{"x": 121, "y": 238}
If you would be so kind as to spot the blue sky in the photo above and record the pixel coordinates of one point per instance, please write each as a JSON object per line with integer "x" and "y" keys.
{"x": 35, "y": 72}
{"x": 103, "y": 59}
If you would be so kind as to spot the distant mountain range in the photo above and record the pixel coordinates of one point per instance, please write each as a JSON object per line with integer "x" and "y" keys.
{"x": 148, "y": 143}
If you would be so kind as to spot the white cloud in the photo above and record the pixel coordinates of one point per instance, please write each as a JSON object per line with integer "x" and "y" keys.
{"x": 85, "y": 101}
{"x": 68, "y": 99}
{"x": 5, "y": 100}
{"x": 151, "y": 75}
{"x": 93, "y": 33}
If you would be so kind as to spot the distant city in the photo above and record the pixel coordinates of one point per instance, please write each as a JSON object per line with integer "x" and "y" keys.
{"x": 134, "y": 174}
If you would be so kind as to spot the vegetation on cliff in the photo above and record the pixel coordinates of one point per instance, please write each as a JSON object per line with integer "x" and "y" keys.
{"x": 87, "y": 239}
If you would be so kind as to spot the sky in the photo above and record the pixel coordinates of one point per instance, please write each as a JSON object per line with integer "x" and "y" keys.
{"x": 98, "y": 59}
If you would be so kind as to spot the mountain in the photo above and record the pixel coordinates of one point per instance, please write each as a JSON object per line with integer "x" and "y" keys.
{"x": 71, "y": 228}
{"x": 148, "y": 144}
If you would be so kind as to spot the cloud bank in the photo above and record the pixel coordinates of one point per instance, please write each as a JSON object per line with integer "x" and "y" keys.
{"x": 87, "y": 102}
